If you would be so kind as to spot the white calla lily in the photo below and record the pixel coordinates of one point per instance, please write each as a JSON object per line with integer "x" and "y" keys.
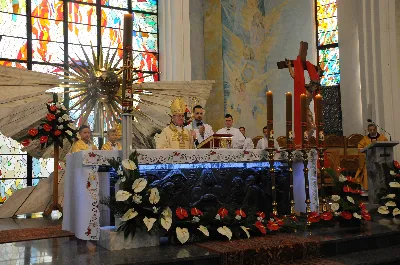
{"x": 390, "y": 203}
{"x": 130, "y": 214}
{"x": 128, "y": 164}
{"x": 394, "y": 184}
{"x": 335, "y": 198}
{"x": 225, "y": 231}
{"x": 122, "y": 195}
{"x": 335, "y": 206}
{"x": 342, "y": 178}
{"x": 149, "y": 222}
{"x": 139, "y": 184}
{"x": 389, "y": 196}
{"x": 356, "y": 215}
{"x": 396, "y": 211}
{"x": 204, "y": 230}
{"x": 246, "y": 230}
{"x": 182, "y": 234}
{"x": 350, "y": 199}
{"x": 383, "y": 210}
{"x": 154, "y": 196}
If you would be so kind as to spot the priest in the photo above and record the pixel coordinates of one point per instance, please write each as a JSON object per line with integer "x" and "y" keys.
{"x": 361, "y": 174}
{"x": 201, "y": 130}
{"x": 175, "y": 136}
{"x": 238, "y": 140}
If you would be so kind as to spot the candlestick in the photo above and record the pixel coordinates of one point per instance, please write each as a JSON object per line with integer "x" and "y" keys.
{"x": 127, "y": 103}
{"x": 289, "y": 148}
{"x": 270, "y": 118}
{"x": 321, "y": 147}
{"x": 306, "y": 183}
{"x": 303, "y": 107}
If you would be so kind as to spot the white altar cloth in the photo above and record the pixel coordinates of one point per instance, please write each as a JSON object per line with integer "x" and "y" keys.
{"x": 82, "y": 188}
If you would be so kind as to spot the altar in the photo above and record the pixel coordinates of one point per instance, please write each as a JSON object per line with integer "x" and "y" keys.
{"x": 191, "y": 178}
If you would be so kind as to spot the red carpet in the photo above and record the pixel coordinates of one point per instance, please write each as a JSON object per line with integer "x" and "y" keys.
{"x": 25, "y": 234}
{"x": 271, "y": 249}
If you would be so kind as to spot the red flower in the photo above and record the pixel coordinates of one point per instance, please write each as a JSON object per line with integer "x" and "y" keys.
{"x": 57, "y": 133}
{"x": 261, "y": 227}
{"x": 272, "y": 226}
{"x": 43, "y": 139}
{"x": 195, "y": 212}
{"x": 261, "y": 214}
{"x": 346, "y": 215}
{"x": 26, "y": 142}
{"x": 347, "y": 189}
{"x": 33, "y": 132}
{"x": 313, "y": 217}
{"x": 53, "y": 108}
{"x": 50, "y": 116}
{"x": 278, "y": 221}
{"x": 181, "y": 213}
{"x": 241, "y": 213}
{"x": 293, "y": 218}
{"x": 396, "y": 164}
{"x": 47, "y": 127}
{"x": 222, "y": 212}
{"x": 350, "y": 179}
{"x": 357, "y": 191}
{"x": 326, "y": 216}
{"x": 366, "y": 215}
{"x": 362, "y": 206}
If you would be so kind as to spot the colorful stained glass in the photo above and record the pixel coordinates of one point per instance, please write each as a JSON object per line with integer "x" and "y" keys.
{"x": 145, "y": 22}
{"x": 49, "y": 52}
{"x": 9, "y": 146}
{"x": 14, "y": 64}
{"x": 46, "y": 29}
{"x": 82, "y": 34}
{"x": 326, "y": 11}
{"x": 81, "y": 13}
{"x": 41, "y": 168}
{"x": 146, "y": 61}
{"x": 86, "y": 1}
{"x": 12, "y": 25}
{"x": 118, "y": 56}
{"x": 76, "y": 52}
{"x": 329, "y": 62}
{"x": 145, "y": 5}
{"x": 112, "y": 18}
{"x": 143, "y": 41}
{"x": 13, "y": 6}
{"x": 52, "y": 9}
{"x": 13, "y": 166}
{"x": 325, "y": 2}
{"x": 48, "y": 69}
{"x": 328, "y": 37}
{"x": 13, "y": 48}
{"x": 115, "y": 3}
{"x": 9, "y": 186}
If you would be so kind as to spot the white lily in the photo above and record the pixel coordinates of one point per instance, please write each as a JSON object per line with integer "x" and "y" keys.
{"x": 204, "y": 230}
{"x": 350, "y": 199}
{"x": 335, "y": 198}
{"x": 225, "y": 231}
{"x": 137, "y": 198}
{"x": 130, "y": 214}
{"x": 139, "y": 184}
{"x": 122, "y": 195}
{"x": 383, "y": 210}
{"x": 356, "y": 215}
{"x": 335, "y": 206}
{"x": 390, "y": 203}
{"x": 396, "y": 211}
{"x": 246, "y": 230}
{"x": 389, "y": 196}
{"x": 149, "y": 222}
{"x": 182, "y": 234}
{"x": 129, "y": 164}
{"x": 154, "y": 196}
{"x": 394, "y": 184}
{"x": 342, "y": 178}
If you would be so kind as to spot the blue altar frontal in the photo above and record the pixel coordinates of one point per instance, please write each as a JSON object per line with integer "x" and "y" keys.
{"x": 201, "y": 178}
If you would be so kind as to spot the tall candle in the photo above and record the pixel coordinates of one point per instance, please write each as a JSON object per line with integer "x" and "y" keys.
{"x": 303, "y": 107}
{"x": 127, "y": 105}
{"x": 319, "y": 120}
{"x": 289, "y": 119}
{"x": 270, "y": 118}
{"x": 128, "y": 29}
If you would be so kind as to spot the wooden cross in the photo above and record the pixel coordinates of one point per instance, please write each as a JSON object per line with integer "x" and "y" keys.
{"x": 303, "y": 57}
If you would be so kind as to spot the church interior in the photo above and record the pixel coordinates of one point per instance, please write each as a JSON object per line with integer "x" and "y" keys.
{"x": 199, "y": 132}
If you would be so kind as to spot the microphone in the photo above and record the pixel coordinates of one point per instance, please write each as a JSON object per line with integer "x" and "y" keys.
{"x": 390, "y": 136}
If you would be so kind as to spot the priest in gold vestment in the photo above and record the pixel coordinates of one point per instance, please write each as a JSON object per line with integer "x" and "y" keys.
{"x": 373, "y": 136}
{"x": 175, "y": 136}
{"x": 84, "y": 142}
{"x": 112, "y": 144}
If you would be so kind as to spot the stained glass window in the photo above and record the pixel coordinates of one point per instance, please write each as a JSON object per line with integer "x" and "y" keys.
{"x": 51, "y": 40}
{"x": 327, "y": 44}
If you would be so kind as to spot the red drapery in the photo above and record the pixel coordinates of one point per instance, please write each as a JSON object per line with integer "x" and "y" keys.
{"x": 300, "y": 88}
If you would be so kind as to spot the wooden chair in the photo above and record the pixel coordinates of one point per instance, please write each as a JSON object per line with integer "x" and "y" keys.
{"x": 281, "y": 141}
{"x": 350, "y": 163}
{"x": 352, "y": 144}
{"x": 312, "y": 142}
{"x": 256, "y": 139}
{"x": 335, "y": 149}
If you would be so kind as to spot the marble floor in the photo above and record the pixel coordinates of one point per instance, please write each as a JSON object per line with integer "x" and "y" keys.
{"x": 33, "y": 220}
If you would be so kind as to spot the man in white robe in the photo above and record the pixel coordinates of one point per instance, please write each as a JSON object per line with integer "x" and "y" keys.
{"x": 237, "y": 137}
{"x": 248, "y": 142}
{"x": 175, "y": 136}
{"x": 263, "y": 142}
{"x": 202, "y": 130}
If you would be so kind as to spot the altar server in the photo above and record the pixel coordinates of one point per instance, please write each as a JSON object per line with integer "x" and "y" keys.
{"x": 112, "y": 144}
{"x": 84, "y": 142}
{"x": 175, "y": 136}
{"x": 238, "y": 139}
{"x": 263, "y": 142}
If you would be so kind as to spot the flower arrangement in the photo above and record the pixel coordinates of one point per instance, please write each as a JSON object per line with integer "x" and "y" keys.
{"x": 390, "y": 200}
{"x": 54, "y": 128}
{"x": 345, "y": 203}
{"x": 142, "y": 206}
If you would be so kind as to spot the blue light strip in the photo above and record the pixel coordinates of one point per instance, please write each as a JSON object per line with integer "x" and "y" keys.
{"x": 208, "y": 165}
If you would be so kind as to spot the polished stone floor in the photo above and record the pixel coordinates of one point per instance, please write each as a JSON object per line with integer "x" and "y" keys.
{"x": 377, "y": 242}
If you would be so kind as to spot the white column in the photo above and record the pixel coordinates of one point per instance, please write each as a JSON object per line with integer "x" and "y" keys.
{"x": 378, "y": 59}
{"x": 174, "y": 40}
{"x": 350, "y": 84}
